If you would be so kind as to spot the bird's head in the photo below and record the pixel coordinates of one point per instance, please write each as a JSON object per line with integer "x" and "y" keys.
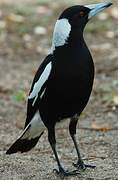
{"x": 75, "y": 17}
{"x": 78, "y": 16}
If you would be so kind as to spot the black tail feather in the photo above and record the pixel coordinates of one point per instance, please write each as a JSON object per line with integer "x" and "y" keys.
{"x": 23, "y": 145}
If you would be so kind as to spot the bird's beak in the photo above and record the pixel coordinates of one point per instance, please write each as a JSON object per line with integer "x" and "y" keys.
{"x": 96, "y": 8}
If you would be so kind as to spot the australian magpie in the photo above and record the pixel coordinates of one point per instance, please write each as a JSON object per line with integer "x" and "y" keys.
{"x": 62, "y": 84}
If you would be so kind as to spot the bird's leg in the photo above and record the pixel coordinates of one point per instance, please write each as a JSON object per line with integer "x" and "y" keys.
{"x": 61, "y": 172}
{"x": 72, "y": 129}
{"x": 80, "y": 163}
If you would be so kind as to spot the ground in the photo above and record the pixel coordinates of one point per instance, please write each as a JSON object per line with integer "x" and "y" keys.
{"x": 25, "y": 37}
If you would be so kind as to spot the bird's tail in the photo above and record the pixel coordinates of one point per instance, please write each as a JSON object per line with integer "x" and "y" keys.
{"x": 29, "y": 136}
{"x": 23, "y": 145}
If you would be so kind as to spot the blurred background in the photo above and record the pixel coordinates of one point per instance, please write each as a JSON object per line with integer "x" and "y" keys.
{"x": 26, "y": 29}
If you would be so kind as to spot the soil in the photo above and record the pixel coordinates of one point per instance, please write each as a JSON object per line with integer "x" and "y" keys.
{"x": 23, "y": 47}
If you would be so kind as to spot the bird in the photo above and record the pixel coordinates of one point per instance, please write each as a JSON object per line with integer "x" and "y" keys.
{"x": 62, "y": 85}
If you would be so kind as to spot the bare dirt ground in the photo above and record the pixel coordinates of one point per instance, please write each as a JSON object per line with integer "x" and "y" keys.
{"x": 25, "y": 39}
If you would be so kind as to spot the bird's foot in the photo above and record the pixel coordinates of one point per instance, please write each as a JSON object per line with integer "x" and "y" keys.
{"x": 62, "y": 173}
{"x": 83, "y": 166}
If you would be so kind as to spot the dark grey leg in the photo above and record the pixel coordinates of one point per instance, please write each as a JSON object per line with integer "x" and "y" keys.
{"x": 72, "y": 129}
{"x": 61, "y": 172}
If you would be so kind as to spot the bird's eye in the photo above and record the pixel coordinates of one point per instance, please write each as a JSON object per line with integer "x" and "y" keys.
{"x": 81, "y": 13}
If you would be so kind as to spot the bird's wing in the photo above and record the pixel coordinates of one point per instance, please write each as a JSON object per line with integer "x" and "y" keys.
{"x": 38, "y": 87}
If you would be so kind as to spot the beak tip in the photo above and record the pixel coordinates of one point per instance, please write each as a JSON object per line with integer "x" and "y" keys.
{"x": 109, "y": 4}
{"x": 96, "y": 8}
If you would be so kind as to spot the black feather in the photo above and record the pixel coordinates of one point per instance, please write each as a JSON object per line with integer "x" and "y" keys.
{"x": 23, "y": 145}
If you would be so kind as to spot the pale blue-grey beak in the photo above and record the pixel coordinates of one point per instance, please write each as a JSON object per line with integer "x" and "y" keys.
{"x": 96, "y": 8}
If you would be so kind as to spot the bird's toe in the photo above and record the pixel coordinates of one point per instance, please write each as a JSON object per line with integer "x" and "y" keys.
{"x": 62, "y": 173}
{"x": 83, "y": 166}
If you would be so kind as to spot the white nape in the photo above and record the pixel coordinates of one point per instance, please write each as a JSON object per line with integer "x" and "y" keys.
{"x": 38, "y": 85}
{"x": 61, "y": 33}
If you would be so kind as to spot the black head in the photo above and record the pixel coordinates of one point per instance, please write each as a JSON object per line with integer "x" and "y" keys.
{"x": 76, "y": 15}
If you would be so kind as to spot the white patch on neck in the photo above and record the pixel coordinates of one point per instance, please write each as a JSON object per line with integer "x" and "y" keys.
{"x": 61, "y": 33}
{"x": 38, "y": 85}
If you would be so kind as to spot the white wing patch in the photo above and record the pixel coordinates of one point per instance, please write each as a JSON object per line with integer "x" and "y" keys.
{"x": 38, "y": 85}
{"x": 61, "y": 33}
{"x": 42, "y": 93}
{"x": 36, "y": 128}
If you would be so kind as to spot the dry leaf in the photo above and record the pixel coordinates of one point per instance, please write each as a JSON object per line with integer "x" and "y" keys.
{"x": 114, "y": 12}
{"x": 41, "y": 50}
{"x": 103, "y": 16}
{"x": 19, "y": 120}
{"x": 43, "y": 10}
{"x": 40, "y": 30}
{"x": 3, "y": 91}
{"x": 106, "y": 105}
{"x": 14, "y": 18}
{"x": 26, "y": 91}
{"x": 115, "y": 99}
{"x": 33, "y": 71}
{"x": 96, "y": 126}
{"x": 110, "y": 34}
{"x": 2, "y": 24}
{"x": 27, "y": 37}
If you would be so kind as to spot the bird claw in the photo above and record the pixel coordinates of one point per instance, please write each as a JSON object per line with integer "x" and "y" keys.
{"x": 83, "y": 166}
{"x": 62, "y": 173}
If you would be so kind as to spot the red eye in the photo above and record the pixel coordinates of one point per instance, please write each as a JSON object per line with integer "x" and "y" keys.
{"x": 81, "y": 13}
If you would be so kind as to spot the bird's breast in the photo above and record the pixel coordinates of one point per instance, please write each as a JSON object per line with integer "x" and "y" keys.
{"x": 69, "y": 85}
{"x": 72, "y": 78}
